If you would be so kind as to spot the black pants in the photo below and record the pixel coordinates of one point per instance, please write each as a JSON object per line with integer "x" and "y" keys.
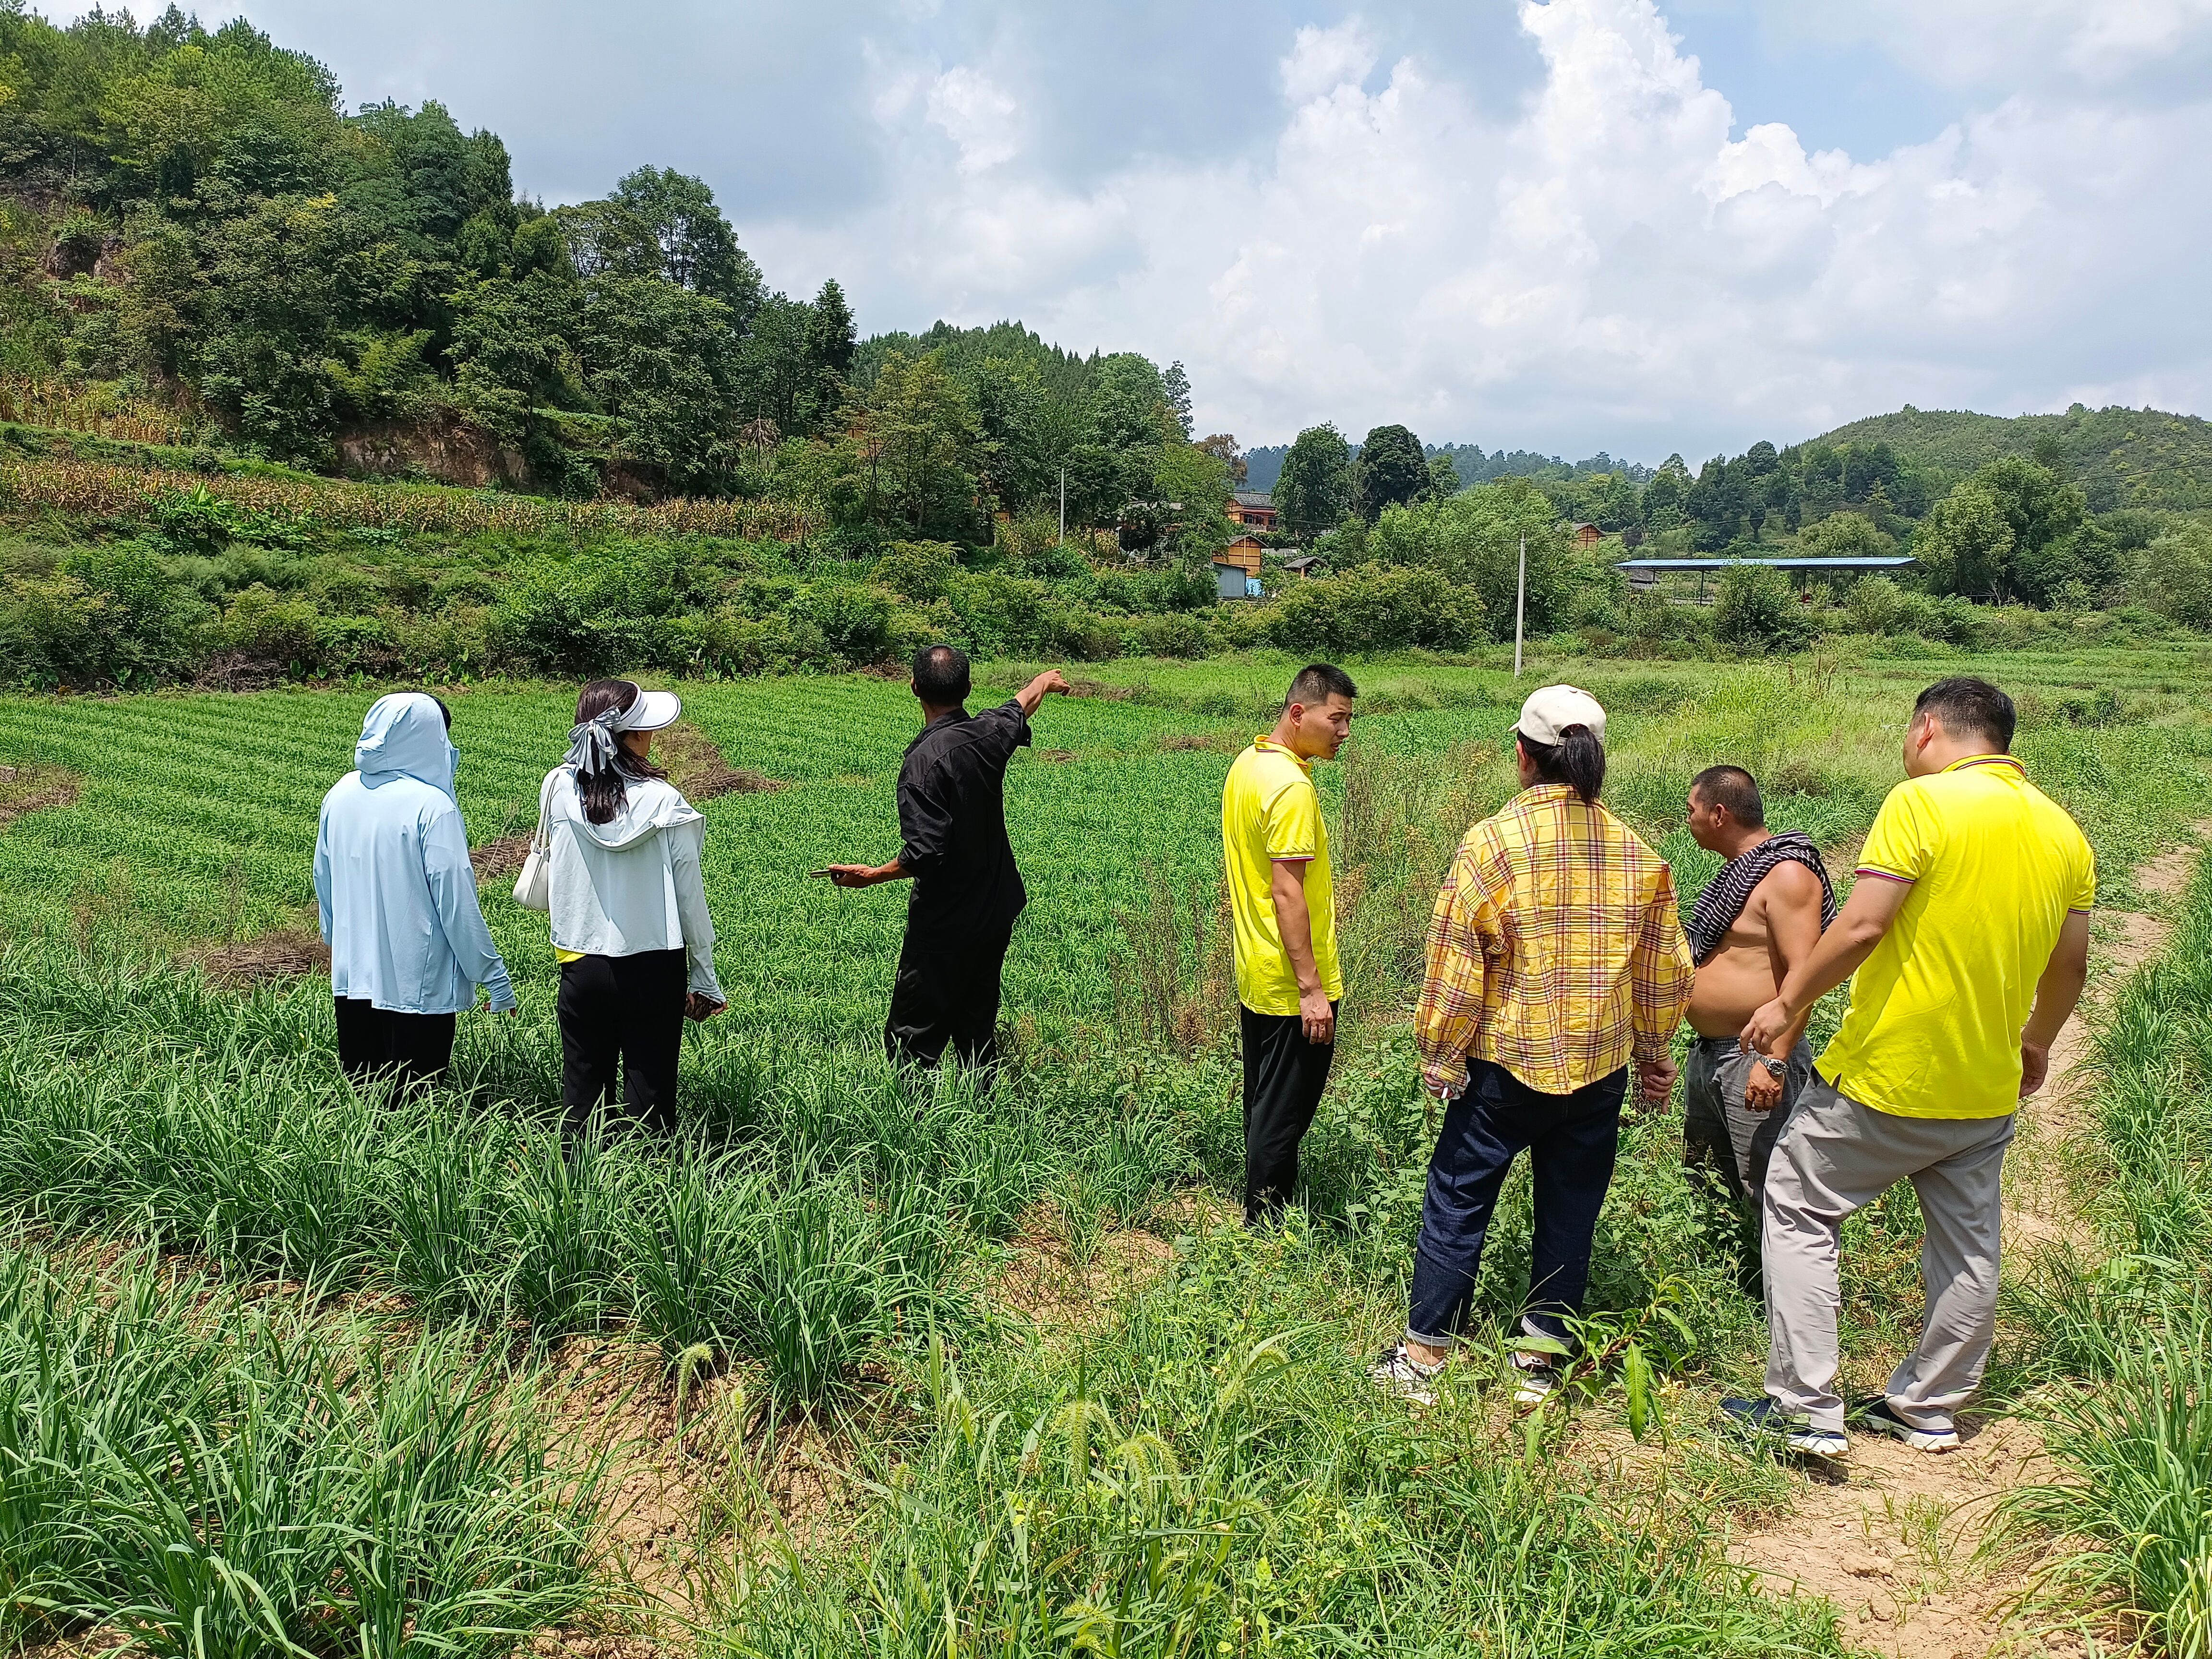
{"x": 625, "y": 1008}
{"x": 1284, "y": 1076}
{"x": 413, "y": 1048}
{"x": 946, "y": 995}
{"x": 1573, "y": 1140}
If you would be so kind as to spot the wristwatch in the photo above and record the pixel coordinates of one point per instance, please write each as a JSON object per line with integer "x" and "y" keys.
{"x": 1775, "y": 1068}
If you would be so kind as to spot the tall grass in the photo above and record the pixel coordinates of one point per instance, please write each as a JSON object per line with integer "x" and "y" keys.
{"x": 215, "y": 1479}
{"x": 2128, "y": 1525}
{"x": 1211, "y": 1473}
{"x": 823, "y": 1204}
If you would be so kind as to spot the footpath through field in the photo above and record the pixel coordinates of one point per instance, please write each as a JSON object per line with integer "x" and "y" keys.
{"x": 1891, "y": 1537}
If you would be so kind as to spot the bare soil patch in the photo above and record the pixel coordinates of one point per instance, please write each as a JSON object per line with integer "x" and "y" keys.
{"x": 1224, "y": 742}
{"x": 288, "y": 953}
{"x": 36, "y": 789}
{"x": 695, "y": 766}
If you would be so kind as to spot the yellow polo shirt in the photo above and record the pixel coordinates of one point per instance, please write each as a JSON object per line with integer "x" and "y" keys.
{"x": 1270, "y": 811}
{"x": 1995, "y": 866}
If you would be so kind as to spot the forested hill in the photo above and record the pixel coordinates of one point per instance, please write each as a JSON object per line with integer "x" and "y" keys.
{"x": 2118, "y": 457}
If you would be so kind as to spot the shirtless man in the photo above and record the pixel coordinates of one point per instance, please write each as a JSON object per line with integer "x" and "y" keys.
{"x": 1757, "y": 920}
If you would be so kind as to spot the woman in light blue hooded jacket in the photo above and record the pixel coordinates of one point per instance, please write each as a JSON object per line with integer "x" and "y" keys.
{"x": 409, "y": 946}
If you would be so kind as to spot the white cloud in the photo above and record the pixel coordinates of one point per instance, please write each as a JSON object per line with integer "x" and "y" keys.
{"x": 2024, "y": 42}
{"x": 1320, "y": 60}
{"x": 980, "y": 117}
{"x": 1608, "y": 263}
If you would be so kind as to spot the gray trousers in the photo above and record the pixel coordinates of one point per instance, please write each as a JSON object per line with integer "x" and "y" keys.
{"x": 1719, "y": 1130}
{"x": 1836, "y": 1157}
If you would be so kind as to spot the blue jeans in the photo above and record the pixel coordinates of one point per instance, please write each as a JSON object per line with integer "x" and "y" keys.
{"x": 1573, "y": 1140}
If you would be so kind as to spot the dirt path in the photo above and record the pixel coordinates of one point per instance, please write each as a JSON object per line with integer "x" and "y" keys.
{"x": 1890, "y": 1538}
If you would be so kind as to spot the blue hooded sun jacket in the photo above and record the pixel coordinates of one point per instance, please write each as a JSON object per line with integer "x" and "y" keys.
{"x": 392, "y": 877}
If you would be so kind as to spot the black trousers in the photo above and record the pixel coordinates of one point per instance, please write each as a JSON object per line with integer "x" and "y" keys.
{"x": 946, "y": 995}
{"x": 1571, "y": 1140}
{"x": 625, "y": 1009}
{"x": 413, "y": 1048}
{"x": 1284, "y": 1076}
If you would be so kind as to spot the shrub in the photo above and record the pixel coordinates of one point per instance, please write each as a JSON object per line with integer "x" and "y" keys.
{"x": 1757, "y": 609}
{"x": 1173, "y": 636}
{"x": 269, "y": 635}
{"x": 920, "y": 570}
{"x": 1874, "y": 605}
{"x": 1001, "y": 615}
{"x": 109, "y": 616}
{"x": 854, "y": 621}
{"x": 1377, "y": 610}
{"x": 2172, "y": 575}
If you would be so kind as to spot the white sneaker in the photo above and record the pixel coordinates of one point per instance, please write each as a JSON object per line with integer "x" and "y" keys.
{"x": 1880, "y": 1417}
{"x": 1535, "y": 1379}
{"x": 1398, "y": 1372}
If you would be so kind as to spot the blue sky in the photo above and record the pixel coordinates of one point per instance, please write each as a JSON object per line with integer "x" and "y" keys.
{"x": 1576, "y": 225}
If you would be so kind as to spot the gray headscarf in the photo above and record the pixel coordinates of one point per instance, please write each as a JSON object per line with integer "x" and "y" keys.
{"x": 592, "y": 746}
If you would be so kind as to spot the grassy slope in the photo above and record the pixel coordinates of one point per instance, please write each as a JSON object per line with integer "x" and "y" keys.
{"x": 2122, "y": 457}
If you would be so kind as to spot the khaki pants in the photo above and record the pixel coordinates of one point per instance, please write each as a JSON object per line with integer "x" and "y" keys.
{"x": 1836, "y": 1157}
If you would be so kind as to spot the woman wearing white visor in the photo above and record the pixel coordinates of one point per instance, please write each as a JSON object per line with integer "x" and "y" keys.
{"x": 628, "y": 907}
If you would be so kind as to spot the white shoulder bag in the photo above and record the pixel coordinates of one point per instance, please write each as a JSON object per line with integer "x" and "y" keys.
{"x": 533, "y": 888}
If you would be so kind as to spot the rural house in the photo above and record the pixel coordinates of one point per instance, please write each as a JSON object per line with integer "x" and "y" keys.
{"x": 1237, "y": 569}
{"x": 1253, "y": 509}
{"x": 1585, "y": 535}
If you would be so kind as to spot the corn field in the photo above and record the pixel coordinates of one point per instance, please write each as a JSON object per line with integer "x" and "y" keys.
{"x": 100, "y": 490}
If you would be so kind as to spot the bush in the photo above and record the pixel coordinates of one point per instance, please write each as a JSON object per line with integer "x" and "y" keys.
{"x": 108, "y": 615}
{"x": 1756, "y": 609}
{"x": 920, "y": 570}
{"x": 1377, "y": 610}
{"x": 1002, "y": 616}
{"x": 1874, "y": 605}
{"x": 1172, "y": 636}
{"x": 2172, "y": 575}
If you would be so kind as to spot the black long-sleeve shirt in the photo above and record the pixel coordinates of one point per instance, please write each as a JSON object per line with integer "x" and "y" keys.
{"x": 952, "y": 820}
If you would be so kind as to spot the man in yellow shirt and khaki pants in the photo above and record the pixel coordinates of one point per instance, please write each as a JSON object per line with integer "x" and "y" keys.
{"x": 1283, "y": 908}
{"x": 1968, "y": 930}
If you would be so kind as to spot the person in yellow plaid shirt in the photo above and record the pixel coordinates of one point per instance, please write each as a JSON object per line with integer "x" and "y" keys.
{"x": 1556, "y": 960}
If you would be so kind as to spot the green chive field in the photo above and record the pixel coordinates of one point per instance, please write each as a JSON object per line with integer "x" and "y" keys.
{"x": 851, "y": 1367}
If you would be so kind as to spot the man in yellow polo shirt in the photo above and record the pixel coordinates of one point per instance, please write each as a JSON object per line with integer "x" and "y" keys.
{"x": 1968, "y": 929}
{"x": 1283, "y": 911}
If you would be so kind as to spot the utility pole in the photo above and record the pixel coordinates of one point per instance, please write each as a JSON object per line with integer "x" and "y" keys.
{"x": 1520, "y": 606}
{"x": 1063, "y": 505}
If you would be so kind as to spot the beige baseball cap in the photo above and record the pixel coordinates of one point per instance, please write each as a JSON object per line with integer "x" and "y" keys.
{"x": 1551, "y": 709}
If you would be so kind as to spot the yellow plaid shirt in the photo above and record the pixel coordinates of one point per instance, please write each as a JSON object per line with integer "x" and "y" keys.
{"x": 1556, "y": 950}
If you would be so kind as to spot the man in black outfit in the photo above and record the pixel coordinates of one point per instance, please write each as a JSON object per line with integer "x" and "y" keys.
{"x": 967, "y": 891}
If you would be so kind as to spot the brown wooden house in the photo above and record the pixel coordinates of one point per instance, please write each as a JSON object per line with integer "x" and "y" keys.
{"x": 1253, "y": 509}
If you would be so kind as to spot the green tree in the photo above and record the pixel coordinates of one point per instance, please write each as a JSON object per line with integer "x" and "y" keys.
{"x": 828, "y": 360}
{"x": 1665, "y": 496}
{"x": 662, "y": 361}
{"x": 920, "y": 446}
{"x": 1965, "y": 544}
{"x": 1390, "y": 472}
{"x": 1845, "y": 536}
{"x": 1443, "y": 479}
{"x": 1313, "y": 489}
{"x": 685, "y": 238}
{"x": 2173, "y": 574}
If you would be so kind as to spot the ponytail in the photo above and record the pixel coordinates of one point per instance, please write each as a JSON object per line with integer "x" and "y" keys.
{"x": 1578, "y": 759}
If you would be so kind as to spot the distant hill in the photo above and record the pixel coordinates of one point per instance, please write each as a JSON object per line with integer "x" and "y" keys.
{"x": 1475, "y": 465}
{"x": 2120, "y": 457}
